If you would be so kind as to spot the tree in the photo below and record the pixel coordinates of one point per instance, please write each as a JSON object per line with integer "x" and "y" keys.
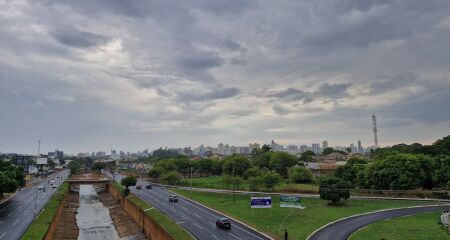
{"x": 327, "y": 151}
{"x": 183, "y": 165}
{"x": 7, "y": 182}
{"x": 203, "y": 166}
{"x": 127, "y": 182}
{"x": 235, "y": 165}
{"x": 300, "y": 175}
{"x": 352, "y": 172}
{"x": 441, "y": 176}
{"x": 156, "y": 172}
{"x": 307, "y": 156}
{"x": 62, "y": 161}
{"x": 262, "y": 161}
{"x": 281, "y": 161}
{"x": 251, "y": 172}
{"x": 171, "y": 177}
{"x": 266, "y": 148}
{"x": 397, "y": 171}
{"x": 269, "y": 180}
{"x": 334, "y": 189}
{"x": 98, "y": 166}
{"x": 74, "y": 165}
{"x": 51, "y": 164}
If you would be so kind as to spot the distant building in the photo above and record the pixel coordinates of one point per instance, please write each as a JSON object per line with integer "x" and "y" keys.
{"x": 324, "y": 144}
{"x": 322, "y": 169}
{"x": 360, "y": 147}
{"x": 23, "y": 161}
{"x": 303, "y": 148}
{"x": 332, "y": 157}
{"x": 316, "y": 147}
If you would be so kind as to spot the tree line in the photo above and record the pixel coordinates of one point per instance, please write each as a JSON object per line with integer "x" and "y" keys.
{"x": 11, "y": 177}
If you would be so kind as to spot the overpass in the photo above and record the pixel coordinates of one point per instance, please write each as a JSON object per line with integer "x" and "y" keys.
{"x": 100, "y": 184}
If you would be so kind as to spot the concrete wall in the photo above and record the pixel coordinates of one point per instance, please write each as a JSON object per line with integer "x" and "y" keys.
{"x": 49, "y": 235}
{"x": 152, "y": 229}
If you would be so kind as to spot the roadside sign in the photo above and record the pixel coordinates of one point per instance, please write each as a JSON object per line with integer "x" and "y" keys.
{"x": 289, "y": 201}
{"x": 261, "y": 202}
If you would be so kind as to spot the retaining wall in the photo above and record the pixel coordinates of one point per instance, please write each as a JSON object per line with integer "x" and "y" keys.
{"x": 152, "y": 229}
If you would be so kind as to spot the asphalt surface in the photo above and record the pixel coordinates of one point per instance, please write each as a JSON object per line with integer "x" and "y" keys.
{"x": 196, "y": 219}
{"x": 341, "y": 230}
{"x": 18, "y": 213}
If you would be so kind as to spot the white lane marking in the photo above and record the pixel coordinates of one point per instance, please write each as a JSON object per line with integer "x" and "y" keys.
{"x": 3, "y": 235}
{"x": 234, "y": 236}
{"x": 14, "y": 224}
{"x": 215, "y": 236}
{"x": 10, "y": 214}
{"x": 199, "y": 226}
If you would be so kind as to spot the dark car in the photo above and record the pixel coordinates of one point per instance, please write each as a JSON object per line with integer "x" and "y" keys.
{"x": 173, "y": 198}
{"x": 223, "y": 223}
{"x": 138, "y": 187}
{"x": 148, "y": 186}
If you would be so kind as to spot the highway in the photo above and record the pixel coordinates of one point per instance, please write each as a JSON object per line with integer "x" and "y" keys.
{"x": 196, "y": 219}
{"x": 17, "y": 213}
{"x": 342, "y": 229}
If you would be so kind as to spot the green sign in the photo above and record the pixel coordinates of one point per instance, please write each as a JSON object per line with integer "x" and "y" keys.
{"x": 289, "y": 201}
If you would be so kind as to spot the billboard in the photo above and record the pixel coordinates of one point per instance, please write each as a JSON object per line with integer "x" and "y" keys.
{"x": 41, "y": 161}
{"x": 289, "y": 201}
{"x": 261, "y": 202}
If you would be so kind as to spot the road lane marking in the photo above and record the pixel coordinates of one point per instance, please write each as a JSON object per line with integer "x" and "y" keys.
{"x": 14, "y": 224}
{"x": 234, "y": 236}
{"x": 3, "y": 235}
{"x": 215, "y": 236}
{"x": 10, "y": 214}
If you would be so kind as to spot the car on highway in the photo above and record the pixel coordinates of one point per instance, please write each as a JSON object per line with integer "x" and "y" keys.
{"x": 223, "y": 223}
{"x": 40, "y": 187}
{"x": 138, "y": 187}
{"x": 148, "y": 186}
{"x": 173, "y": 198}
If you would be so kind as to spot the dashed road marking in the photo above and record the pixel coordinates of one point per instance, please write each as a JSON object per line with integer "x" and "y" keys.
{"x": 3, "y": 235}
{"x": 14, "y": 224}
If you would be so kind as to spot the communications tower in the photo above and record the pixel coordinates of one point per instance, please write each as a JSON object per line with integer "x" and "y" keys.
{"x": 375, "y": 135}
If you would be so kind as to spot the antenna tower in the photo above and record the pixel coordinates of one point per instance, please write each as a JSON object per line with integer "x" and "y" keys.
{"x": 375, "y": 135}
{"x": 39, "y": 147}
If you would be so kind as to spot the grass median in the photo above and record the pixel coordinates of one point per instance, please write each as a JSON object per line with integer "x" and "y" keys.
{"x": 171, "y": 227}
{"x": 422, "y": 226}
{"x": 302, "y": 222}
{"x": 40, "y": 225}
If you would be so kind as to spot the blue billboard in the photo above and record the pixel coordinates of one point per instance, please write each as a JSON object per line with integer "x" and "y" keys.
{"x": 261, "y": 202}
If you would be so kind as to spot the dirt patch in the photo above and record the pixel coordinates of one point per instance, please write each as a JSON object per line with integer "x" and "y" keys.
{"x": 125, "y": 225}
{"x": 66, "y": 227}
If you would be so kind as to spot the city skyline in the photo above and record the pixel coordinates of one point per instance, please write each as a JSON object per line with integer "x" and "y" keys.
{"x": 109, "y": 74}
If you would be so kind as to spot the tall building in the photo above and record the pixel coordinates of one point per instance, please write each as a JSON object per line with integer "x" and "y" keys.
{"x": 316, "y": 147}
{"x": 325, "y": 144}
{"x": 303, "y": 148}
{"x": 360, "y": 147}
{"x": 375, "y": 131}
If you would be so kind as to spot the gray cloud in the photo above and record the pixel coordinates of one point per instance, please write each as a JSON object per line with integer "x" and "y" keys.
{"x": 175, "y": 73}
{"x": 79, "y": 39}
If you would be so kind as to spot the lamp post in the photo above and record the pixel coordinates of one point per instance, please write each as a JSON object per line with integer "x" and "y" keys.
{"x": 191, "y": 182}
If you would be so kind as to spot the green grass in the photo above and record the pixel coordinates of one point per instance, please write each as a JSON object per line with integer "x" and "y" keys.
{"x": 118, "y": 187}
{"x": 300, "y": 224}
{"x": 40, "y": 225}
{"x": 175, "y": 230}
{"x": 216, "y": 182}
{"x": 422, "y": 226}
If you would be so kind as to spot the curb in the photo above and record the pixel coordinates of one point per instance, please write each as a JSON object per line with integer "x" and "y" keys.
{"x": 211, "y": 209}
{"x": 367, "y": 213}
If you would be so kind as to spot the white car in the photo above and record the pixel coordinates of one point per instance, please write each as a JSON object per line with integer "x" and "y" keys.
{"x": 40, "y": 187}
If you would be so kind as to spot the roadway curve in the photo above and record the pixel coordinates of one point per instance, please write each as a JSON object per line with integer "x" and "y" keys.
{"x": 195, "y": 218}
{"x": 17, "y": 213}
{"x": 342, "y": 229}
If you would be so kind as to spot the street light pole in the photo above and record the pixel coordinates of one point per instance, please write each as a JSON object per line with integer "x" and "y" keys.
{"x": 191, "y": 182}
{"x": 233, "y": 182}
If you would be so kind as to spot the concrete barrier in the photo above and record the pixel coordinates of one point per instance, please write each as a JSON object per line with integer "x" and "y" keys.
{"x": 151, "y": 228}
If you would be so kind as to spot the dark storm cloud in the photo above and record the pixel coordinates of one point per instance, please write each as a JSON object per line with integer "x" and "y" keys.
{"x": 214, "y": 94}
{"x": 334, "y": 90}
{"x": 79, "y": 39}
{"x": 200, "y": 60}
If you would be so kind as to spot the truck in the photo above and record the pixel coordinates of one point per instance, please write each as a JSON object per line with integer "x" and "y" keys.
{"x": 52, "y": 183}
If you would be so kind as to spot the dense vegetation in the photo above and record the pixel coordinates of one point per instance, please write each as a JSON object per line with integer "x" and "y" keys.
{"x": 11, "y": 177}
{"x": 401, "y": 167}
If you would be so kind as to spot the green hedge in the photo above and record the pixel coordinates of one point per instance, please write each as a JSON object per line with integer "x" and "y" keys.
{"x": 118, "y": 187}
{"x": 40, "y": 225}
{"x": 175, "y": 230}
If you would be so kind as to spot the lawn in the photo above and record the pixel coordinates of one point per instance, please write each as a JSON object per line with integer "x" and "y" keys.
{"x": 216, "y": 182}
{"x": 422, "y": 226}
{"x": 163, "y": 220}
{"x": 40, "y": 225}
{"x": 302, "y": 222}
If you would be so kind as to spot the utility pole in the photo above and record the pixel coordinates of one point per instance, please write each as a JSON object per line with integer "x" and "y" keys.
{"x": 233, "y": 182}
{"x": 191, "y": 182}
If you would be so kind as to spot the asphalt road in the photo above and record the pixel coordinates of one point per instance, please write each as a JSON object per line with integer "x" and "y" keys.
{"x": 341, "y": 230}
{"x": 196, "y": 219}
{"x": 18, "y": 213}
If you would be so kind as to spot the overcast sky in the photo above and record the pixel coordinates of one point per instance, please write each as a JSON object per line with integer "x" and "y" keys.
{"x": 93, "y": 75}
